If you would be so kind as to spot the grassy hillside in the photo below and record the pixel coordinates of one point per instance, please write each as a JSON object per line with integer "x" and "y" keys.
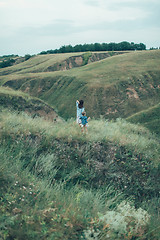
{"x": 55, "y": 62}
{"x": 22, "y": 102}
{"x": 118, "y": 86}
{"x": 149, "y": 118}
{"x": 38, "y": 63}
{"x": 57, "y": 183}
{"x": 61, "y": 184}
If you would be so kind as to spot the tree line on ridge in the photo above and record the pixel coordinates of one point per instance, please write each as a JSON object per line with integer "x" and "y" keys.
{"x": 122, "y": 46}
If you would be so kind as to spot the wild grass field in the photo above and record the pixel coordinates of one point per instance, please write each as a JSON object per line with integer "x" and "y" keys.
{"x": 57, "y": 183}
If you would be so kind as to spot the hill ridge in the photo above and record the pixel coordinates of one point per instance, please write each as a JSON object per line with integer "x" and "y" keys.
{"x": 57, "y": 62}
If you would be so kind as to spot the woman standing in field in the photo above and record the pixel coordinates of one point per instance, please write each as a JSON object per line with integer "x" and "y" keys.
{"x": 80, "y": 109}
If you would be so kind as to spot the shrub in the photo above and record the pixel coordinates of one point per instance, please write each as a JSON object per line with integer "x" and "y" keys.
{"x": 124, "y": 222}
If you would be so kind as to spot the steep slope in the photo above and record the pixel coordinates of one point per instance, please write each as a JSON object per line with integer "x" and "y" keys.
{"x": 118, "y": 86}
{"x": 22, "y": 102}
{"x": 150, "y": 118}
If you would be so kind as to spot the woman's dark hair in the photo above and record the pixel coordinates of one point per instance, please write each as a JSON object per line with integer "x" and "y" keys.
{"x": 80, "y": 105}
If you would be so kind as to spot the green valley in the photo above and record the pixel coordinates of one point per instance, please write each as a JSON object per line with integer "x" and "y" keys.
{"x": 117, "y": 86}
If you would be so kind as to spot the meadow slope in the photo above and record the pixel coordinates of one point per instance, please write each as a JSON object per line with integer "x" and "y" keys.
{"x": 59, "y": 184}
{"x": 149, "y": 118}
{"x": 118, "y": 86}
{"x": 22, "y": 102}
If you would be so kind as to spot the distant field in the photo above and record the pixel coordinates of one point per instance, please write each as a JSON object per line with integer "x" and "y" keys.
{"x": 118, "y": 86}
{"x": 39, "y": 62}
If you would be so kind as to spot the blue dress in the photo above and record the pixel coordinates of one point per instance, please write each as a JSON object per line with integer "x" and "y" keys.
{"x": 79, "y": 113}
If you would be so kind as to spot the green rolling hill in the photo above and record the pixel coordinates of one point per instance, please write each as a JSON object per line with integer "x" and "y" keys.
{"x": 150, "y": 118}
{"x": 22, "y": 102}
{"x": 116, "y": 86}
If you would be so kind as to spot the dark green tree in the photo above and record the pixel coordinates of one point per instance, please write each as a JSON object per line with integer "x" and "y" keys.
{"x": 7, "y": 63}
{"x": 27, "y": 56}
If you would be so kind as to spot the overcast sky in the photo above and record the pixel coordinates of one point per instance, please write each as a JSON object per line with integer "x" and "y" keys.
{"x": 32, "y": 26}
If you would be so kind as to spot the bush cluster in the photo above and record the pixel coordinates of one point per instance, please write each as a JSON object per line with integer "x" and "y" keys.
{"x": 122, "y": 46}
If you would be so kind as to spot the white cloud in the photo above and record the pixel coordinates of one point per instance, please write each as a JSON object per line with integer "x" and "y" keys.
{"x": 41, "y": 12}
{"x": 35, "y": 24}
